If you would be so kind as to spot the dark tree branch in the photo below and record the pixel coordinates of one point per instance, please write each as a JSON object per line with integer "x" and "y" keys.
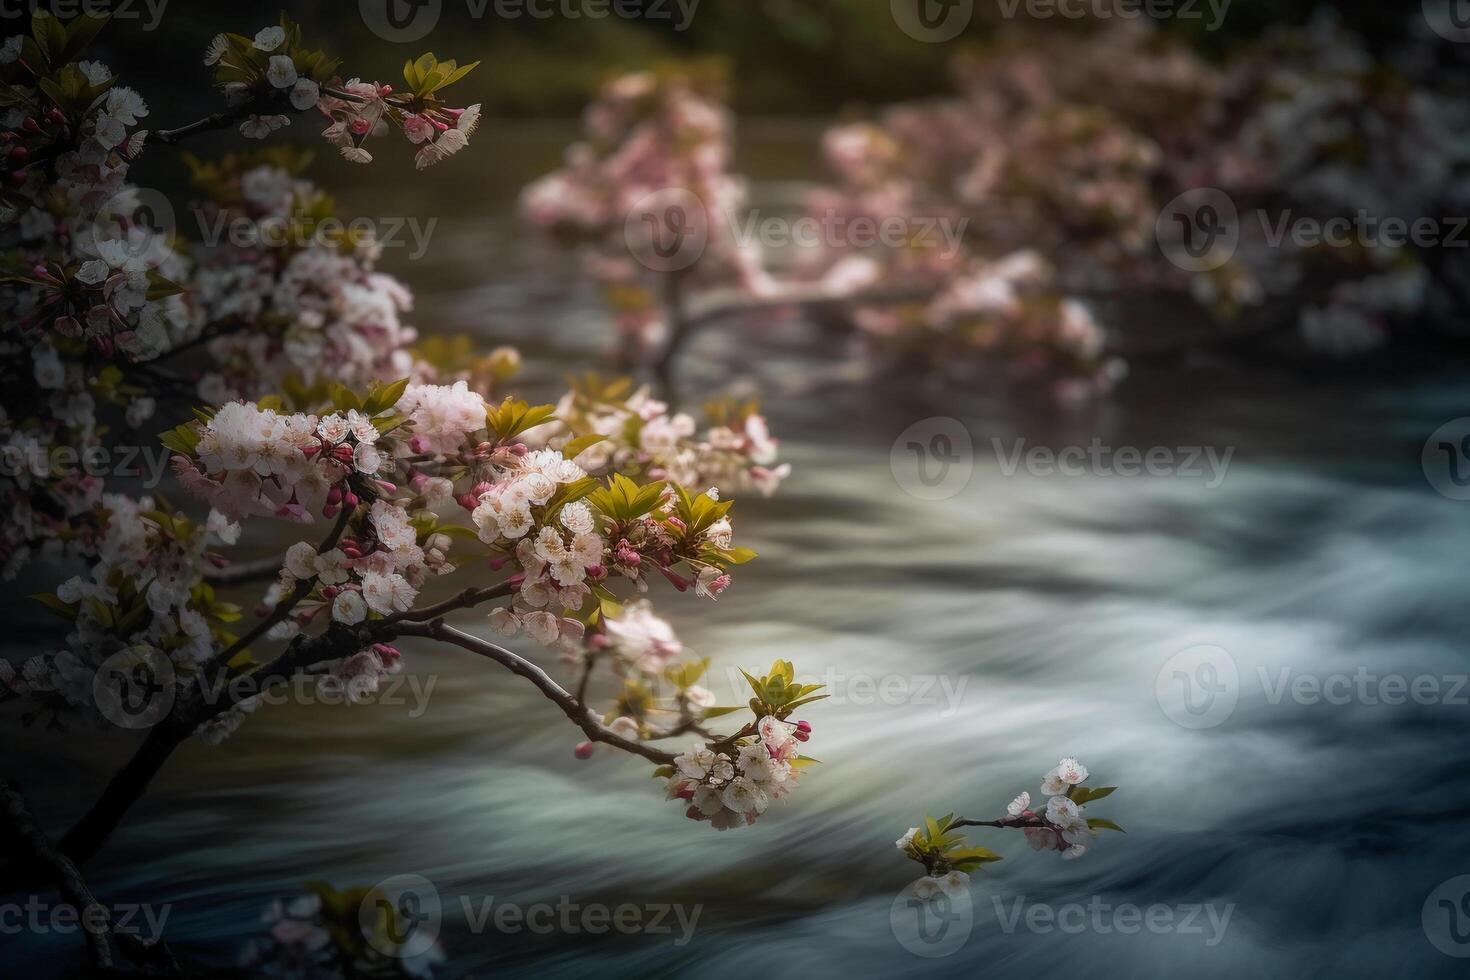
{"x": 563, "y": 699}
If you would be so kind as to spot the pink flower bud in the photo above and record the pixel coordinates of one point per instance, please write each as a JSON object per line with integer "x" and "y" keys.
{"x": 519, "y": 449}
{"x": 360, "y": 127}
{"x": 418, "y": 444}
{"x": 498, "y": 562}
{"x": 482, "y": 488}
{"x": 350, "y": 499}
{"x": 468, "y": 501}
{"x": 334, "y": 496}
{"x": 804, "y": 726}
{"x": 687, "y": 793}
{"x": 583, "y": 750}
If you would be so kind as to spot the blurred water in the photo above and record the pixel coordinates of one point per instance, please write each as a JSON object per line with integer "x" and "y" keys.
{"x": 1046, "y": 605}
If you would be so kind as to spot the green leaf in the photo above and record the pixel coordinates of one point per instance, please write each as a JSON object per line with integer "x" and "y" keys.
{"x": 1098, "y": 823}
{"x": 1081, "y": 794}
{"x": 384, "y": 397}
{"x": 580, "y": 444}
{"x": 51, "y": 601}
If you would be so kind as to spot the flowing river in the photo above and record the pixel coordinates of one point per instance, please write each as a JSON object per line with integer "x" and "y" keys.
{"x": 1230, "y": 643}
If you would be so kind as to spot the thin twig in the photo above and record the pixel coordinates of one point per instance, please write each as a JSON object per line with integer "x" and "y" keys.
{"x": 563, "y": 699}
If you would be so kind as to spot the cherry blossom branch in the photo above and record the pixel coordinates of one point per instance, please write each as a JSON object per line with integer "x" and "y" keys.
{"x": 284, "y": 607}
{"x": 97, "y": 926}
{"x": 465, "y": 600}
{"x": 221, "y": 119}
{"x": 580, "y": 715}
{"x": 241, "y": 572}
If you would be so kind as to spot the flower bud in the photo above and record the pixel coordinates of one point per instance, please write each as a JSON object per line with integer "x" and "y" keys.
{"x": 583, "y": 750}
{"x": 804, "y": 726}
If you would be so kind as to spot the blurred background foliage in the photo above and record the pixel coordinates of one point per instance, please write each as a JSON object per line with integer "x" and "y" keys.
{"x": 787, "y": 57}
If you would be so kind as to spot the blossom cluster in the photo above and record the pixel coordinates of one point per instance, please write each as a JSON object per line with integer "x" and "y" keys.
{"x": 1068, "y": 143}
{"x": 100, "y": 294}
{"x": 316, "y": 933}
{"x": 143, "y": 606}
{"x": 1062, "y": 824}
{"x": 649, "y": 134}
{"x": 86, "y": 281}
{"x": 729, "y": 782}
{"x": 615, "y": 426}
{"x": 286, "y": 296}
{"x": 274, "y": 71}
